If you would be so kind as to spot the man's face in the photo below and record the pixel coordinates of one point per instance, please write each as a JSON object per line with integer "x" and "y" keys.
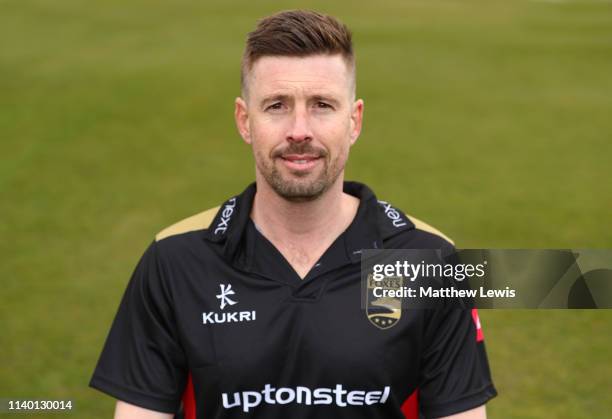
{"x": 300, "y": 117}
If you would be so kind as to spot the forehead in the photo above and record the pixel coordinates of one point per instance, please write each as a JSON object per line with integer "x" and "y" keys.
{"x": 315, "y": 74}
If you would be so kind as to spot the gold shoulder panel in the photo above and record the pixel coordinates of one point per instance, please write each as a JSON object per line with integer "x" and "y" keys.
{"x": 195, "y": 222}
{"x": 203, "y": 219}
{"x": 420, "y": 225}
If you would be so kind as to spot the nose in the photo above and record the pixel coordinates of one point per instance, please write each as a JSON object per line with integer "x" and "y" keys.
{"x": 299, "y": 130}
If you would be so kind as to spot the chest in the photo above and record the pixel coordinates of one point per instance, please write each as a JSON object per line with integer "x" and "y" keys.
{"x": 318, "y": 332}
{"x": 301, "y": 257}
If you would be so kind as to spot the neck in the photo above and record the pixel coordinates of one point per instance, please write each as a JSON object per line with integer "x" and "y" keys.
{"x": 302, "y": 231}
{"x": 277, "y": 216}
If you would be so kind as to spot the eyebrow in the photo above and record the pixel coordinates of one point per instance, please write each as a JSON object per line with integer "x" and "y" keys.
{"x": 274, "y": 97}
{"x": 313, "y": 98}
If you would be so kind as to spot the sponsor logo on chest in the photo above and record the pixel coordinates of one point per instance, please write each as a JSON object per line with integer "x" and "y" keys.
{"x": 339, "y": 396}
{"x": 216, "y": 317}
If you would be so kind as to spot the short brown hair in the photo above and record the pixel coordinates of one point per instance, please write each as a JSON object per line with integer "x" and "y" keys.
{"x": 297, "y": 33}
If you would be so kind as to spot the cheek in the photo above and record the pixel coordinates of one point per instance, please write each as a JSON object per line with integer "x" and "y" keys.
{"x": 337, "y": 134}
{"x": 336, "y": 123}
{"x": 343, "y": 154}
{"x": 265, "y": 135}
{"x": 258, "y": 129}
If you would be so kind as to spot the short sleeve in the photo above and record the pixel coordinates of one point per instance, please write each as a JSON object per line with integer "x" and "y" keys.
{"x": 455, "y": 374}
{"x": 142, "y": 362}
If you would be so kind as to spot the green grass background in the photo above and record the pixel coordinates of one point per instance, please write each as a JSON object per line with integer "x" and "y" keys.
{"x": 491, "y": 120}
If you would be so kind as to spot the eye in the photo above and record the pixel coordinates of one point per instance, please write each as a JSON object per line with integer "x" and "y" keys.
{"x": 275, "y": 106}
{"x": 323, "y": 105}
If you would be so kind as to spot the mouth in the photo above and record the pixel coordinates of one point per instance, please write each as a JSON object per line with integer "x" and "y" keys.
{"x": 300, "y": 162}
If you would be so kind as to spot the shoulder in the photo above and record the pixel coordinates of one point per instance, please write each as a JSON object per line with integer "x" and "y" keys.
{"x": 427, "y": 230}
{"x": 402, "y": 230}
{"x": 199, "y": 221}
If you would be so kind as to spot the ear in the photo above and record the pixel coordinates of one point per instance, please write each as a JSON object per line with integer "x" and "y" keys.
{"x": 356, "y": 120}
{"x": 241, "y": 115}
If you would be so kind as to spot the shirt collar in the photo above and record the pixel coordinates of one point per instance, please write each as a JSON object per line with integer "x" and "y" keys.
{"x": 374, "y": 222}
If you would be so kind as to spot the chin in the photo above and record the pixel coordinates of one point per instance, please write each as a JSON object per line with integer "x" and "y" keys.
{"x": 300, "y": 191}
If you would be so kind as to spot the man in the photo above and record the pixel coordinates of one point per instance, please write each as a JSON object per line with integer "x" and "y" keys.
{"x": 252, "y": 309}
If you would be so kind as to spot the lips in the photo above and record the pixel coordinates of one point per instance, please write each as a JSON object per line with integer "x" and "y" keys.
{"x": 299, "y": 158}
{"x": 300, "y": 162}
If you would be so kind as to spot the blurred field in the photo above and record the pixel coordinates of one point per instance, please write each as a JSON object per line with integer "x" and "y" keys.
{"x": 489, "y": 119}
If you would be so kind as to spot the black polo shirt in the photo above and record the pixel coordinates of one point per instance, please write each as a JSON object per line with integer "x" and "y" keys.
{"x": 216, "y": 323}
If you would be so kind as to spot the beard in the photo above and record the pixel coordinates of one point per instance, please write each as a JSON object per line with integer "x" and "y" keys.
{"x": 296, "y": 186}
